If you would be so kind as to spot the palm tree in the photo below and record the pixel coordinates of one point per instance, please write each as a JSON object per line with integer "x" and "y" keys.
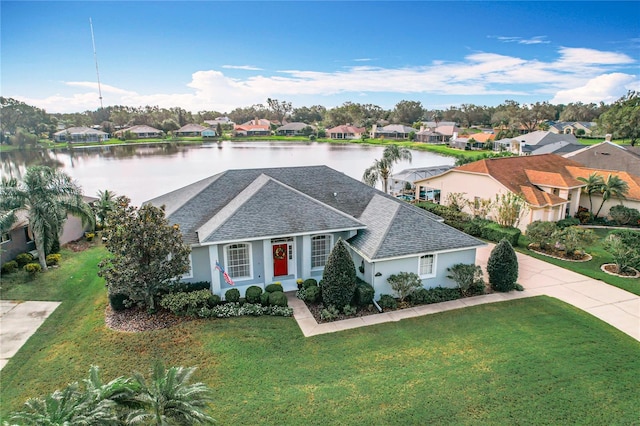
{"x": 613, "y": 187}
{"x": 104, "y": 205}
{"x": 169, "y": 399}
{"x": 594, "y": 184}
{"x": 121, "y": 391}
{"x": 68, "y": 406}
{"x": 47, "y": 195}
{"x": 381, "y": 169}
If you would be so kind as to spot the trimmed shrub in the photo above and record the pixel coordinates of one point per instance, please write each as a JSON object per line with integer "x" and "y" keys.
{"x": 339, "y": 277}
{"x": 309, "y": 282}
{"x": 119, "y": 302}
{"x": 187, "y": 303}
{"x": 232, "y": 295}
{"x": 53, "y": 259}
{"x": 273, "y": 287}
{"x": 214, "y": 299}
{"x": 624, "y": 215}
{"x": 502, "y": 267}
{"x": 32, "y": 268}
{"x": 364, "y": 294}
{"x": 264, "y": 298}
{"x": 278, "y": 298}
{"x": 253, "y": 293}
{"x": 424, "y": 296}
{"x": 311, "y": 294}
{"x": 189, "y": 287}
{"x": 10, "y": 267}
{"x": 387, "y": 302}
{"x": 575, "y": 239}
{"x": 542, "y": 233}
{"x": 23, "y": 259}
{"x": 494, "y": 232}
{"x": 329, "y": 313}
{"x": 404, "y": 284}
{"x": 566, "y": 222}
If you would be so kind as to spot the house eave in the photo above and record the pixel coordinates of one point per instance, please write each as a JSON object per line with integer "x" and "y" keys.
{"x": 268, "y": 237}
{"x": 385, "y": 259}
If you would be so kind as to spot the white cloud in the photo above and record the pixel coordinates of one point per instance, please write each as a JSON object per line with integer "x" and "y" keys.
{"x": 578, "y": 74}
{"x": 242, "y": 67}
{"x": 520, "y": 40}
{"x": 607, "y": 88}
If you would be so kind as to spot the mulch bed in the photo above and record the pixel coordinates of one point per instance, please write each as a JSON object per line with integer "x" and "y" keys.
{"x": 138, "y": 319}
{"x": 560, "y": 254}
{"x": 80, "y": 245}
{"x": 316, "y": 309}
{"x": 612, "y": 269}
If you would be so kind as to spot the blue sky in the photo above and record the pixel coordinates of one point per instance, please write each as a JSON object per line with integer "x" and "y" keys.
{"x": 210, "y": 55}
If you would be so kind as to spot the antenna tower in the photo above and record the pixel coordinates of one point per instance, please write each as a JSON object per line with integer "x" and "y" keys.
{"x": 95, "y": 57}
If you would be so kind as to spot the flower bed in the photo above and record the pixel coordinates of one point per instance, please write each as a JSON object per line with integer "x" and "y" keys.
{"x": 612, "y": 269}
{"x": 560, "y": 254}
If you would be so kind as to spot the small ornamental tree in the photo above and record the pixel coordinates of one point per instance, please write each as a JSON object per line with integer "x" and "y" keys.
{"x": 147, "y": 253}
{"x": 339, "y": 277}
{"x": 542, "y": 233}
{"x": 575, "y": 239}
{"x": 502, "y": 267}
{"x": 404, "y": 283}
{"x": 509, "y": 209}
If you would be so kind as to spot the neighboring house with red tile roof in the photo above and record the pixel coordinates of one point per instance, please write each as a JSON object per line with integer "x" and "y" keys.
{"x": 549, "y": 187}
{"x": 258, "y": 128}
{"x": 346, "y": 131}
{"x": 607, "y": 156}
{"x": 631, "y": 200}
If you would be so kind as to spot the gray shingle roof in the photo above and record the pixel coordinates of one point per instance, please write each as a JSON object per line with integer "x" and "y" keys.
{"x": 394, "y": 229}
{"x": 243, "y": 204}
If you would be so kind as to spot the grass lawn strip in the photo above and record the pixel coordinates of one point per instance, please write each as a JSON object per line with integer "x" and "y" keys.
{"x": 537, "y": 360}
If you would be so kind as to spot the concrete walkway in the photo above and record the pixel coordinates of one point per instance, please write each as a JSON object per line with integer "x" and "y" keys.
{"x": 18, "y": 321}
{"x": 612, "y": 305}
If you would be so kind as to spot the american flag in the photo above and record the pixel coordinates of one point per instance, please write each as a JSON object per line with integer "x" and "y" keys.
{"x": 226, "y": 276}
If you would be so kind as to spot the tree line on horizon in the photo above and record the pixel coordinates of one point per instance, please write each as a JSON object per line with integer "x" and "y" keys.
{"x": 620, "y": 118}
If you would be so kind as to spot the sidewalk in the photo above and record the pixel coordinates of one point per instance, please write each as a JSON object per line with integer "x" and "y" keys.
{"x": 18, "y": 321}
{"x": 612, "y": 305}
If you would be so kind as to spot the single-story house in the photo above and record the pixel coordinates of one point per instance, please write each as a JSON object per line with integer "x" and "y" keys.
{"x": 392, "y": 131}
{"x": 547, "y": 183}
{"x": 80, "y": 134}
{"x": 607, "y": 156}
{"x": 195, "y": 130}
{"x": 429, "y": 136}
{"x": 280, "y": 224}
{"x": 538, "y": 142}
{"x": 446, "y": 128}
{"x": 293, "y": 129}
{"x": 141, "y": 131}
{"x": 251, "y": 130}
{"x": 573, "y": 127}
{"x": 346, "y": 131}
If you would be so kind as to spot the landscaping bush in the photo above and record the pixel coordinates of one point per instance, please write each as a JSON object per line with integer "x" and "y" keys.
{"x": 309, "y": 282}
{"x": 278, "y": 298}
{"x": 584, "y": 215}
{"x": 364, "y": 294}
{"x": 232, "y": 295}
{"x": 339, "y": 277}
{"x": 494, "y": 232}
{"x": 502, "y": 267}
{"x": 349, "y": 310}
{"x": 10, "y": 267}
{"x": 53, "y": 259}
{"x": 387, "y": 302}
{"x": 264, "y": 298}
{"x": 624, "y": 215}
{"x": 451, "y": 216}
{"x": 253, "y": 293}
{"x": 273, "y": 287}
{"x": 404, "y": 284}
{"x": 23, "y": 259}
{"x": 566, "y": 222}
{"x": 542, "y": 233}
{"x": 189, "y": 287}
{"x": 476, "y": 227}
{"x": 629, "y": 237}
{"x": 574, "y": 239}
{"x": 310, "y": 294}
{"x": 229, "y": 310}
{"x": 329, "y": 313}
{"x": 467, "y": 276}
{"x": 187, "y": 303}
{"x": 425, "y": 296}
{"x": 32, "y": 268}
{"x": 624, "y": 255}
{"x": 119, "y": 302}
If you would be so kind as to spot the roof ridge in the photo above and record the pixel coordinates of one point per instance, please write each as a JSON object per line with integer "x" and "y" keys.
{"x": 389, "y": 220}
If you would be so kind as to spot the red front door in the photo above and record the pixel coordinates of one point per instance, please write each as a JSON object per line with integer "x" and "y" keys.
{"x": 280, "y": 260}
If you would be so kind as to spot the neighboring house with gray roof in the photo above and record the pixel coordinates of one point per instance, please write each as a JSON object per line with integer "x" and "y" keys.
{"x": 573, "y": 127}
{"x": 294, "y": 129}
{"x": 195, "y": 130}
{"x": 538, "y": 142}
{"x": 80, "y": 134}
{"x": 141, "y": 131}
{"x": 279, "y": 224}
{"x": 392, "y": 131}
{"x": 608, "y": 156}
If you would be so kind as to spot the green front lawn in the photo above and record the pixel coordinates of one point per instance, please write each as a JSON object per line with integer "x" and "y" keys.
{"x": 590, "y": 268}
{"x": 526, "y": 361}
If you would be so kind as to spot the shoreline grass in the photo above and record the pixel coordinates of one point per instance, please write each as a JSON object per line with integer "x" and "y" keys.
{"x": 536, "y": 360}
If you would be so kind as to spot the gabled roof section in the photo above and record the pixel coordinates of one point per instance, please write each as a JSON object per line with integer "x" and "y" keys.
{"x": 346, "y": 129}
{"x": 396, "y": 230}
{"x": 267, "y": 208}
{"x": 192, "y": 128}
{"x": 80, "y": 131}
{"x": 632, "y": 180}
{"x": 552, "y": 179}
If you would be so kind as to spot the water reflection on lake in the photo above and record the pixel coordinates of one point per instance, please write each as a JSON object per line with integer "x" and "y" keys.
{"x": 145, "y": 171}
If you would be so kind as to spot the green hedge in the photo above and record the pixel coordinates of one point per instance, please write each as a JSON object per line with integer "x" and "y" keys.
{"x": 496, "y": 233}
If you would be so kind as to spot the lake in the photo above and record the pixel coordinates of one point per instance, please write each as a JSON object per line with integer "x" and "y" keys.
{"x": 142, "y": 172}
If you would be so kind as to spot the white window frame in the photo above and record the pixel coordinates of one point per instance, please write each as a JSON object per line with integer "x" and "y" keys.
{"x": 5, "y": 238}
{"x": 228, "y": 269}
{"x": 433, "y": 266}
{"x": 329, "y": 238}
